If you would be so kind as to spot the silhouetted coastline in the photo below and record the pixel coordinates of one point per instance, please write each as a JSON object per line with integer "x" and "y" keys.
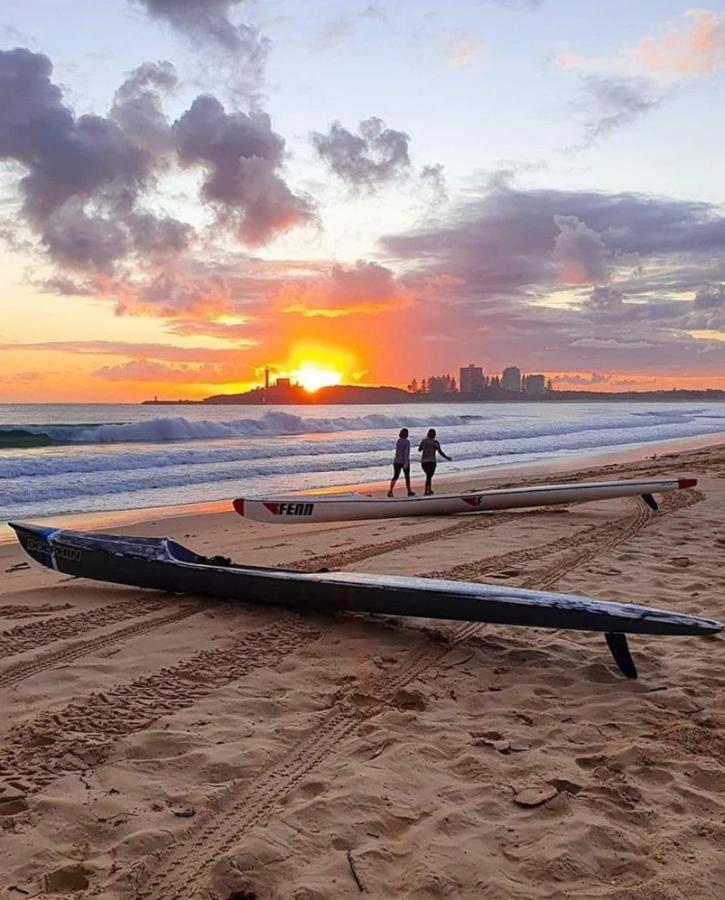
{"x": 345, "y": 394}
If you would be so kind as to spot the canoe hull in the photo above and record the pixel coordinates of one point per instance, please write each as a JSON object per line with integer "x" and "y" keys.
{"x": 301, "y": 510}
{"x": 162, "y": 564}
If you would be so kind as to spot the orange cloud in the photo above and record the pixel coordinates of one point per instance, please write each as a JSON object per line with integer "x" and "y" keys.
{"x": 363, "y": 289}
{"x": 692, "y": 46}
{"x": 695, "y": 50}
{"x": 462, "y": 53}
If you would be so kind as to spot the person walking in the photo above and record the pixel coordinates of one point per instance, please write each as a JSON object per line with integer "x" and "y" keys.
{"x": 429, "y": 447}
{"x": 401, "y": 462}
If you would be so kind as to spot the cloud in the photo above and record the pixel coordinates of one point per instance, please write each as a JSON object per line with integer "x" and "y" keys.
{"x": 374, "y": 156}
{"x": 708, "y": 309}
{"x": 520, "y": 4}
{"x": 365, "y": 288}
{"x": 147, "y": 370}
{"x": 613, "y": 103}
{"x": 90, "y": 191}
{"x": 137, "y": 350}
{"x": 67, "y": 160}
{"x": 710, "y": 297}
{"x": 84, "y": 176}
{"x": 511, "y": 266}
{"x": 579, "y": 252}
{"x": 209, "y": 20}
{"x": 137, "y": 106}
{"x": 242, "y": 157}
{"x": 691, "y": 47}
{"x": 334, "y": 33}
{"x": 612, "y": 344}
{"x": 463, "y": 53}
{"x": 573, "y": 381}
{"x": 506, "y": 236}
{"x": 22, "y": 377}
{"x": 604, "y": 298}
{"x": 64, "y": 286}
{"x": 434, "y": 178}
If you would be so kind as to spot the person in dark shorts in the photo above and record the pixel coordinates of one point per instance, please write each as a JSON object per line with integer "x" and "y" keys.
{"x": 401, "y": 463}
{"x": 429, "y": 446}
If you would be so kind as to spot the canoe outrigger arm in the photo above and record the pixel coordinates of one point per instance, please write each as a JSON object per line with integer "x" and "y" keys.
{"x": 619, "y": 649}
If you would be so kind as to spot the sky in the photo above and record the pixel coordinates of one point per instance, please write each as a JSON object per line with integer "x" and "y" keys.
{"x": 192, "y": 190}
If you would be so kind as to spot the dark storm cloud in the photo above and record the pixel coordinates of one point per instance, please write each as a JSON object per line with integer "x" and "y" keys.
{"x": 241, "y": 155}
{"x": 372, "y": 157}
{"x": 613, "y": 103}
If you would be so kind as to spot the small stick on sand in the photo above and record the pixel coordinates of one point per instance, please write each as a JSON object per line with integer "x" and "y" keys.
{"x": 354, "y": 871}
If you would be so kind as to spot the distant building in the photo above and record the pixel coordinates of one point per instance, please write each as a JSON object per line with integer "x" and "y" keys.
{"x": 471, "y": 380}
{"x": 535, "y": 385}
{"x": 511, "y": 379}
{"x": 283, "y": 383}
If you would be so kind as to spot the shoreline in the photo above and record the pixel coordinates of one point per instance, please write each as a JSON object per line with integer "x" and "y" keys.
{"x": 480, "y": 477}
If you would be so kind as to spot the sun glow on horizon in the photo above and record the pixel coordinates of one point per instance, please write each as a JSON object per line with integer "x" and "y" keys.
{"x": 313, "y": 376}
{"x": 314, "y": 364}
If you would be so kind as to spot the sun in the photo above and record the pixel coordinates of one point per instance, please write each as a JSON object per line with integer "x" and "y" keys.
{"x": 312, "y": 376}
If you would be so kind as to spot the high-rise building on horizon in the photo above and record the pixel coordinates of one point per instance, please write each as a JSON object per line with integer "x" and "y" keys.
{"x": 511, "y": 379}
{"x": 535, "y": 385}
{"x": 471, "y": 380}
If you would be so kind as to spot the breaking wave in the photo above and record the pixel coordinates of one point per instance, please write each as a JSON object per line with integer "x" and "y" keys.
{"x": 178, "y": 429}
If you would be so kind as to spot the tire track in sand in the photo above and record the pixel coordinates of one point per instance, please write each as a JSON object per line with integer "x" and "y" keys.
{"x": 81, "y": 735}
{"x": 32, "y": 635}
{"x": 23, "y": 669}
{"x": 181, "y": 871}
{"x": 18, "y": 611}
{"x": 579, "y": 548}
{"x": 471, "y": 522}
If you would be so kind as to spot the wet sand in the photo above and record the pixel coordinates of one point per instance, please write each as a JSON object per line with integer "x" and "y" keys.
{"x": 168, "y": 747}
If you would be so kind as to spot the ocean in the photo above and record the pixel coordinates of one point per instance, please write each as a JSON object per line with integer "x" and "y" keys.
{"x": 72, "y": 458}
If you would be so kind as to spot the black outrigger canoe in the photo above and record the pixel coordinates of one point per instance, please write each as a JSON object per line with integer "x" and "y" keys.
{"x": 162, "y": 564}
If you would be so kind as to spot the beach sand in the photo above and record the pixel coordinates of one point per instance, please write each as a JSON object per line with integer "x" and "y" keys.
{"x": 166, "y": 747}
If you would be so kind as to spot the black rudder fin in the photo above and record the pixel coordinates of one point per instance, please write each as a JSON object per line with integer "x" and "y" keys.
{"x": 650, "y": 501}
{"x": 619, "y": 649}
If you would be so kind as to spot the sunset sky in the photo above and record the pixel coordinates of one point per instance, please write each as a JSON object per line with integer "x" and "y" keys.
{"x": 193, "y": 189}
